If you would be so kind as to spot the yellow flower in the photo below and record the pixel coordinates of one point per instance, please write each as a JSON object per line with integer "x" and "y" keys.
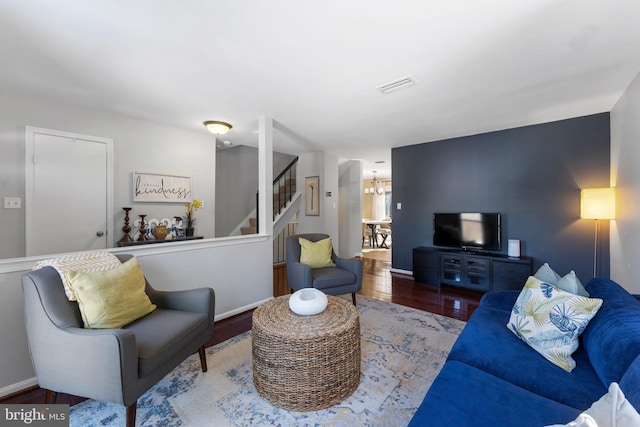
{"x": 191, "y": 208}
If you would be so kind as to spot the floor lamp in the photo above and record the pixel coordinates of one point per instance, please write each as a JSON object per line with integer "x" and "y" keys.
{"x": 597, "y": 203}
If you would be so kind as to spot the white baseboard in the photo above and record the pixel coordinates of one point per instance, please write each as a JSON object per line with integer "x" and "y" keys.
{"x": 22, "y": 385}
{"x": 240, "y": 309}
{"x": 400, "y": 271}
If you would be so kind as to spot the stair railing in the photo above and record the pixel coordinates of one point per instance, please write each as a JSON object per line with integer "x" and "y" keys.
{"x": 284, "y": 186}
{"x": 280, "y": 242}
{"x": 283, "y": 190}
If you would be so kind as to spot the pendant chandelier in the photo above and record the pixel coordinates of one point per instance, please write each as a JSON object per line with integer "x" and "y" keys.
{"x": 376, "y": 187}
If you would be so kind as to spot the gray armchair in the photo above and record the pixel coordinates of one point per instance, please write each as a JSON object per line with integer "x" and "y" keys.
{"x": 115, "y": 365}
{"x": 344, "y": 278}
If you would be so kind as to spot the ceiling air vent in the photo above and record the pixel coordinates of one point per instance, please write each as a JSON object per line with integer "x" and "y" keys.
{"x": 397, "y": 85}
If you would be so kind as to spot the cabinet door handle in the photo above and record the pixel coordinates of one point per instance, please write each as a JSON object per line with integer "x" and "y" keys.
{"x": 100, "y": 233}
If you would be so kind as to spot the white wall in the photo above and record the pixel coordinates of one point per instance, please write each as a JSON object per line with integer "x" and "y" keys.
{"x": 239, "y": 269}
{"x": 340, "y": 213}
{"x": 625, "y": 176}
{"x": 325, "y": 165}
{"x": 236, "y": 187}
{"x": 16, "y": 371}
{"x": 331, "y": 202}
{"x": 139, "y": 146}
{"x": 310, "y": 164}
{"x": 220, "y": 264}
{"x": 350, "y": 203}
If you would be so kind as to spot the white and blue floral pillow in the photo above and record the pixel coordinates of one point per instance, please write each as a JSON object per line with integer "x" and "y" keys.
{"x": 550, "y": 320}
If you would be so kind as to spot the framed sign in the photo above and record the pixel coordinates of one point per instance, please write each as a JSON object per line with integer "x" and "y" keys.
{"x": 151, "y": 187}
{"x": 312, "y": 195}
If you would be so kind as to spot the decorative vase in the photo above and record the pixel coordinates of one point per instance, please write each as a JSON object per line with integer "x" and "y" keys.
{"x": 160, "y": 232}
{"x": 308, "y": 301}
{"x": 190, "y": 231}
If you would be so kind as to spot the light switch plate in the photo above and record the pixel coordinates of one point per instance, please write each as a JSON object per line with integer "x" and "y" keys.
{"x": 12, "y": 202}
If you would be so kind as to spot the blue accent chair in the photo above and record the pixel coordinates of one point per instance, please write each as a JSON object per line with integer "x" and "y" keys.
{"x": 344, "y": 278}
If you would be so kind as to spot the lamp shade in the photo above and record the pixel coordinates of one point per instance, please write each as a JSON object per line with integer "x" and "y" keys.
{"x": 598, "y": 203}
{"x": 217, "y": 127}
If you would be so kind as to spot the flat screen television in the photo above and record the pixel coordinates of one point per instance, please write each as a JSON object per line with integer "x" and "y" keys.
{"x": 473, "y": 231}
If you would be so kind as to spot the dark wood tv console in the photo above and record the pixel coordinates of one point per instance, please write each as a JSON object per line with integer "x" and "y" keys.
{"x": 471, "y": 270}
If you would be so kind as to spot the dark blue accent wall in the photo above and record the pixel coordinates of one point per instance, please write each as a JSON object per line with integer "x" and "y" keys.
{"x": 532, "y": 175}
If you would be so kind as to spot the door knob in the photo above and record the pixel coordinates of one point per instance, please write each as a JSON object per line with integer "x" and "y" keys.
{"x": 100, "y": 233}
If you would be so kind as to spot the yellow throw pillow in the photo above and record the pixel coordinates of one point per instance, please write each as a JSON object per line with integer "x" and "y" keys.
{"x": 316, "y": 254}
{"x": 112, "y": 298}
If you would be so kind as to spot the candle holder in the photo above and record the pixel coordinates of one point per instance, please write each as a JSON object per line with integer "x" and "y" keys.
{"x": 127, "y": 228}
{"x": 143, "y": 229}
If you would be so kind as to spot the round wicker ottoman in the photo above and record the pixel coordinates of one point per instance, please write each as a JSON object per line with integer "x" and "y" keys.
{"x": 306, "y": 363}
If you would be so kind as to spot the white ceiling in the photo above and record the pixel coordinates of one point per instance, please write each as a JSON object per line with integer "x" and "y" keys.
{"x": 314, "y": 65}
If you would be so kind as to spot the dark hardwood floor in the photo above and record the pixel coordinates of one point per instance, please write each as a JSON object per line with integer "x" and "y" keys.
{"x": 377, "y": 283}
{"x": 448, "y": 301}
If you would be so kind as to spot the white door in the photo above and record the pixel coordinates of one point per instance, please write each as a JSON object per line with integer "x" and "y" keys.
{"x": 68, "y": 197}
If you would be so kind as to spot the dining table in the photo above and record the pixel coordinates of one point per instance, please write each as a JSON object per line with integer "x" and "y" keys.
{"x": 373, "y": 224}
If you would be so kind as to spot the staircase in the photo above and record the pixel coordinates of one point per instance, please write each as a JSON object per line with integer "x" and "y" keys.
{"x": 286, "y": 201}
{"x": 252, "y": 228}
{"x": 284, "y": 188}
{"x": 283, "y": 193}
{"x": 284, "y": 198}
{"x": 280, "y": 282}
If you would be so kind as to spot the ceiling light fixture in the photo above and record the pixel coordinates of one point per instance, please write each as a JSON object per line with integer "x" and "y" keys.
{"x": 377, "y": 187}
{"x": 396, "y": 85}
{"x": 217, "y": 127}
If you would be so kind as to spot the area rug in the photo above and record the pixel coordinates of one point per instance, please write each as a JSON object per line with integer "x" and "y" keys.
{"x": 403, "y": 349}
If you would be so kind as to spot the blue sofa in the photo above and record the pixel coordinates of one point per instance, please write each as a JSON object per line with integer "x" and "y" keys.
{"x": 492, "y": 378}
